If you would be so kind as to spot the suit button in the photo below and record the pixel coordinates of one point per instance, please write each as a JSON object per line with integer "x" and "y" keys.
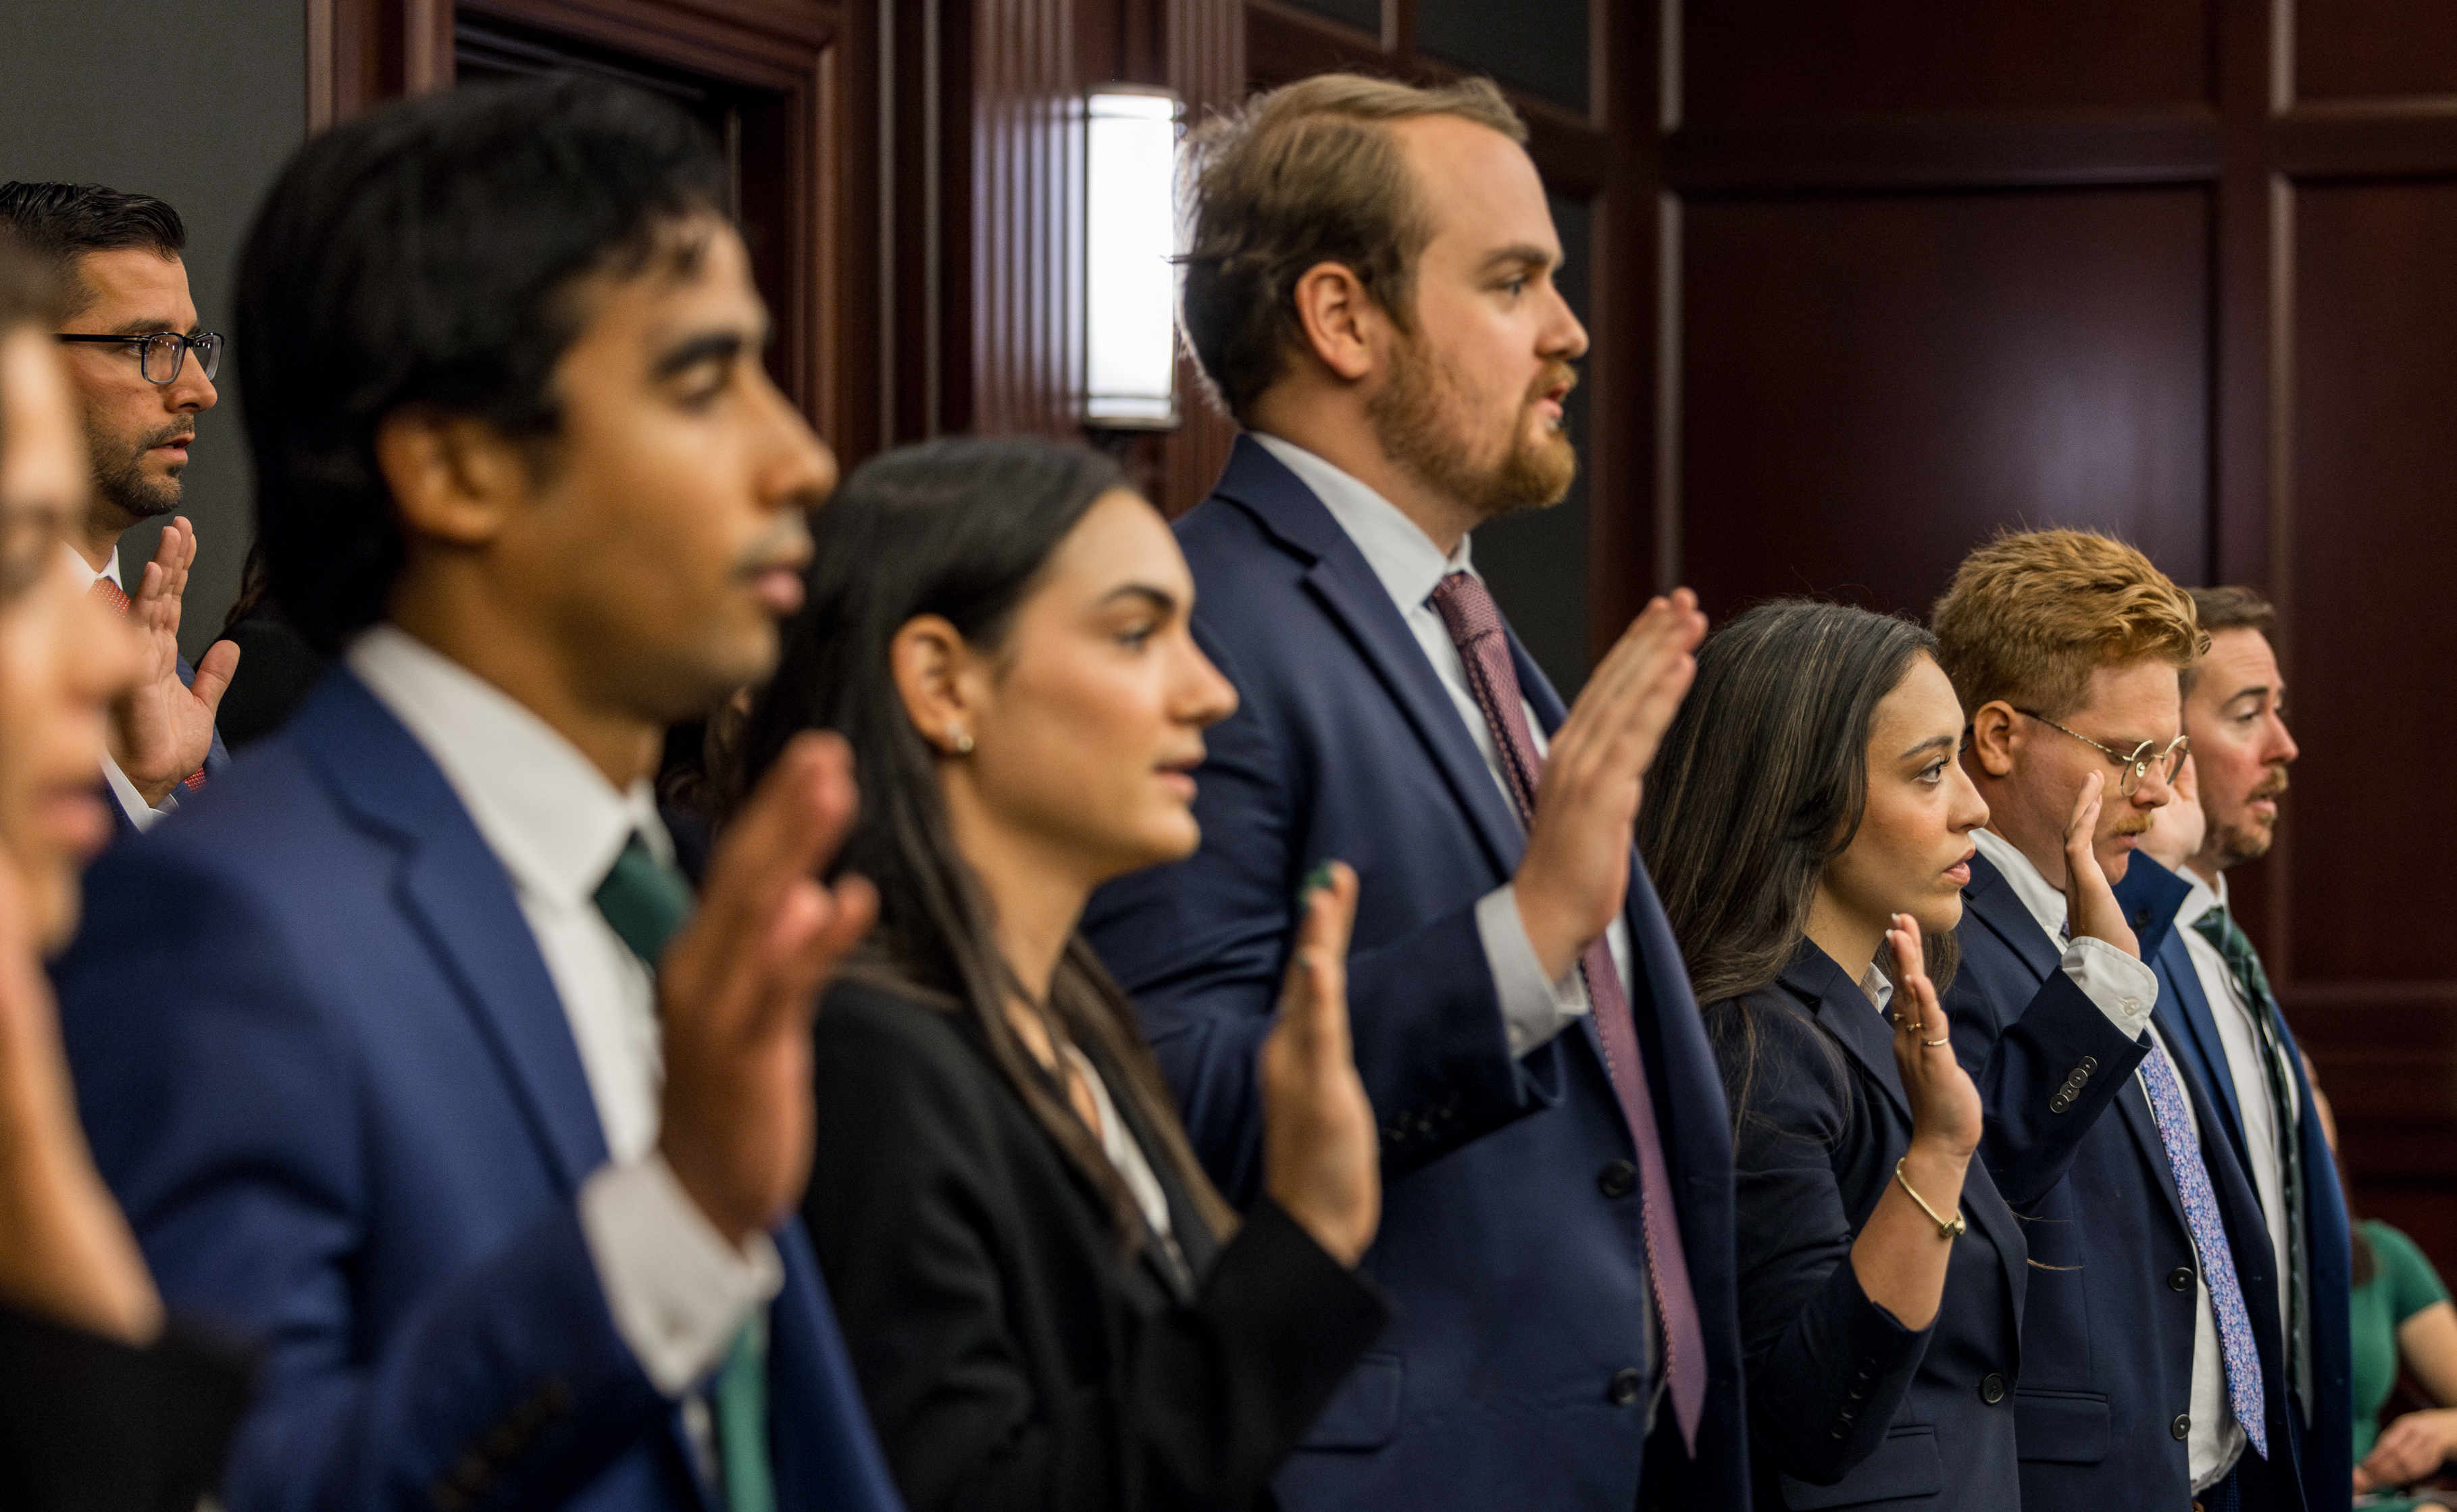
{"x": 1617, "y": 1180}
{"x": 2180, "y": 1278}
{"x": 1626, "y": 1384}
{"x": 2089, "y": 1063}
{"x": 1992, "y": 1388}
{"x": 2060, "y": 1102}
{"x": 2182, "y": 1426}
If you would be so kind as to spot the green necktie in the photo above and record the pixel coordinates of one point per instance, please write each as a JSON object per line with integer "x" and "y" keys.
{"x": 2219, "y": 927}
{"x": 645, "y": 902}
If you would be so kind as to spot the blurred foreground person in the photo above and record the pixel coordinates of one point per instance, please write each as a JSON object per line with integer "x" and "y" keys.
{"x": 1050, "y": 1308}
{"x": 2151, "y": 1357}
{"x": 2217, "y": 1008}
{"x": 1808, "y": 826}
{"x": 141, "y": 366}
{"x": 1370, "y": 291}
{"x": 424, "y": 1080}
{"x": 99, "y": 1409}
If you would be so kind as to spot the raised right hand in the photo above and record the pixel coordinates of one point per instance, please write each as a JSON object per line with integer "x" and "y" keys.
{"x": 1575, "y": 874}
{"x": 2090, "y": 903}
{"x": 1322, "y": 1153}
{"x": 740, "y": 986}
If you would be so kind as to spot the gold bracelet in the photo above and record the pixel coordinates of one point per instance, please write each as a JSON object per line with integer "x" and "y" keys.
{"x": 1946, "y": 1227}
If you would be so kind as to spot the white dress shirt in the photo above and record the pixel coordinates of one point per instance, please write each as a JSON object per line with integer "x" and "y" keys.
{"x": 1534, "y": 1010}
{"x": 2128, "y": 997}
{"x": 678, "y": 1289}
{"x": 2245, "y": 1052}
{"x": 130, "y": 801}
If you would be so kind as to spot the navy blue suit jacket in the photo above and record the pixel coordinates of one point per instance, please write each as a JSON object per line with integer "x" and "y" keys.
{"x": 217, "y": 762}
{"x": 1510, "y": 1236}
{"x": 2184, "y": 1013}
{"x": 2107, "y": 1327}
{"x": 327, "y": 1075}
{"x": 1848, "y": 1407}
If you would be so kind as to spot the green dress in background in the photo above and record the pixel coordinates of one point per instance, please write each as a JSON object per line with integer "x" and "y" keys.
{"x": 2403, "y": 1284}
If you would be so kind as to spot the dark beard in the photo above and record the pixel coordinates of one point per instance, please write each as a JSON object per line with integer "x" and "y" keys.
{"x": 1410, "y": 416}
{"x": 119, "y": 478}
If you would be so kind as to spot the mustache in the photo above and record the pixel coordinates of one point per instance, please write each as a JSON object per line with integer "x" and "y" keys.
{"x": 2270, "y": 786}
{"x": 165, "y": 435}
{"x": 1558, "y": 375}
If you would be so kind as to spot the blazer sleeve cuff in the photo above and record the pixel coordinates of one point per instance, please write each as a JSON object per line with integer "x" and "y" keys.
{"x": 1826, "y": 1396}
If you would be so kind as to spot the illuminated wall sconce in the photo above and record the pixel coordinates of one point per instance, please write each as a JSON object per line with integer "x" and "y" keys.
{"x": 1129, "y": 241}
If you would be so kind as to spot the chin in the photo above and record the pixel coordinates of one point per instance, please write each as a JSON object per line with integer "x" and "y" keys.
{"x": 2116, "y": 866}
{"x": 1942, "y": 914}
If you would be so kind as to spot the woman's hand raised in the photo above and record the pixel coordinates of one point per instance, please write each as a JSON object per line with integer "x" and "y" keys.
{"x": 1322, "y": 1153}
{"x": 1945, "y": 1106}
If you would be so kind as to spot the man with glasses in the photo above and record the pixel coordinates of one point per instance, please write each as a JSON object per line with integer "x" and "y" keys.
{"x": 142, "y": 367}
{"x": 2151, "y": 1355}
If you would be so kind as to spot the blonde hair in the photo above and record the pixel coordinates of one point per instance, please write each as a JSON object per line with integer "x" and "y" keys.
{"x": 1301, "y": 175}
{"x": 2029, "y": 616}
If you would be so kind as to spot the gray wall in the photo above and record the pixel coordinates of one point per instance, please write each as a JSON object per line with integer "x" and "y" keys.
{"x": 199, "y": 105}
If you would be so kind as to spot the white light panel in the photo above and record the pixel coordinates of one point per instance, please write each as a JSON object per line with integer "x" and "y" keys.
{"x": 1129, "y": 278}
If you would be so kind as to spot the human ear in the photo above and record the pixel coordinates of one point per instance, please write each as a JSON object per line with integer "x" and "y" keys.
{"x": 1991, "y": 738}
{"x": 1341, "y": 320}
{"x": 454, "y": 479}
{"x": 937, "y": 677}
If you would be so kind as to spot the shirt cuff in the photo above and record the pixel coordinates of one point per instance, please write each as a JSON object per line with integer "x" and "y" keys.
{"x": 678, "y": 1292}
{"x": 1533, "y": 1009}
{"x": 2124, "y": 987}
{"x": 133, "y": 803}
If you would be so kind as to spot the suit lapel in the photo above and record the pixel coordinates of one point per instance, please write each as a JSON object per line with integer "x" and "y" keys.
{"x": 458, "y": 895}
{"x": 1344, "y": 583}
{"x": 1991, "y": 898}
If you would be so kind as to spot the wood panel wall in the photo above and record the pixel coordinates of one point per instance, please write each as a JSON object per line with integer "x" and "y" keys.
{"x": 2174, "y": 268}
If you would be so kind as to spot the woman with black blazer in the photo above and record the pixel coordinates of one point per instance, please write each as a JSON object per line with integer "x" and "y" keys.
{"x": 1809, "y": 825}
{"x": 1047, "y": 1304}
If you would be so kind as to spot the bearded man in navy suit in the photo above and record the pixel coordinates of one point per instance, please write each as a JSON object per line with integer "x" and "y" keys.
{"x": 2215, "y": 1003}
{"x": 381, "y": 1039}
{"x": 1370, "y": 292}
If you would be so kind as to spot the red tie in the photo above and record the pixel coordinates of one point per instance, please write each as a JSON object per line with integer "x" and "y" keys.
{"x": 1474, "y": 623}
{"x": 115, "y": 599}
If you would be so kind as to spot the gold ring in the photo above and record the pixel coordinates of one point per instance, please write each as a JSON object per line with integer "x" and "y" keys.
{"x": 1933, "y": 1043}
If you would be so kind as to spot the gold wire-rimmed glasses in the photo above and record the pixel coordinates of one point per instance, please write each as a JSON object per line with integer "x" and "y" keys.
{"x": 2137, "y": 765}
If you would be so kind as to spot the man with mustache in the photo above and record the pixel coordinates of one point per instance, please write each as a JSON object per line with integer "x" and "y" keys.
{"x": 403, "y": 1045}
{"x": 1370, "y": 292}
{"x": 2152, "y": 1366}
{"x": 142, "y": 367}
{"x": 2215, "y": 1003}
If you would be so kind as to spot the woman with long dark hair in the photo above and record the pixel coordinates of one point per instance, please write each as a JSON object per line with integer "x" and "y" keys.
{"x": 1047, "y": 1303}
{"x": 1807, "y": 825}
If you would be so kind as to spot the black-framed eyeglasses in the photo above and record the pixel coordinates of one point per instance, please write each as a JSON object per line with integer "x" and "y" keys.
{"x": 2137, "y": 765}
{"x": 159, "y": 354}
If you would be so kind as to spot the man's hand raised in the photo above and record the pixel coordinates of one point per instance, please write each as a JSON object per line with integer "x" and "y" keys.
{"x": 740, "y": 986}
{"x": 2090, "y": 907}
{"x": 161, "y": 728}
{"x": 1575, "y": 874}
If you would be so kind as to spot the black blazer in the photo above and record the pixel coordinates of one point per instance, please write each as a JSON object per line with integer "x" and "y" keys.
{"x": 95, "y": 1425}
{"x": 1847, "y": 1406}
{"x": 1011, "y": 1357}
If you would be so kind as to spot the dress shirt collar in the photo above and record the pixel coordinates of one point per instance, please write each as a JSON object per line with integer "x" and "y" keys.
{"x": 110, "y": 569}
{"x": 550, "y": 815}
{"x": 2045, "y": 903}
{"x": 1399, "y": 551}
{"x": 2202, "y": 899}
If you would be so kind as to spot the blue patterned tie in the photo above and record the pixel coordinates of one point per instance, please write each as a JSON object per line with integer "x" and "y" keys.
{"x": 2209, "y": 1239}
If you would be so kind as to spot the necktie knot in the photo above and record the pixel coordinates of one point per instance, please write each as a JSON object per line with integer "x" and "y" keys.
{"x": 645, "y": 901}
{"x": 1467, "y": 608}
{"x": 109, "y": 594}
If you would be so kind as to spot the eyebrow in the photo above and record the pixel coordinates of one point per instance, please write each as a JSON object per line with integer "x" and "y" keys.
{"x": 1160, "y": 599}
{"x": 147, "y": 325}
{"x": 706, "y": 346}
{"x": 1523, "y": 253}
{"x": 1948, "y": 742}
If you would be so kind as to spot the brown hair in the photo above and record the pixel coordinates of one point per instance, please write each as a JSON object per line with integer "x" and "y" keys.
{"x": 2231, "y": 608}
{"x": 32, "y": 291}
{"x": 2027, "y": 618}
{"x": 1302, "y": 176}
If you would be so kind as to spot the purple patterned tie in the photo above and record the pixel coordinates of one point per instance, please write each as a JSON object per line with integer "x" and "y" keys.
{"x": 2210, "y": 1241}
{"x": 1474, "y": 623}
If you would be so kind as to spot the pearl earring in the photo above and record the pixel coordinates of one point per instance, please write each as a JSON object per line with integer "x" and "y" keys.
{"x": 960, "y": 739}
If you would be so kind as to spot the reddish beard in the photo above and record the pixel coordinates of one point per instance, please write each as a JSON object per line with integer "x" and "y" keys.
{"x": 1422, "y": 418}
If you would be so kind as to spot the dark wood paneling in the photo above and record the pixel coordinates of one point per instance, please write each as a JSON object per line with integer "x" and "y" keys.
{"x": 2349, "y": 48}
{"x": 2180, "y": 147}
{"x": 2376, "y": 364}
{"x": 1745, "y": 60}
{"x": 1871, "y": 385}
